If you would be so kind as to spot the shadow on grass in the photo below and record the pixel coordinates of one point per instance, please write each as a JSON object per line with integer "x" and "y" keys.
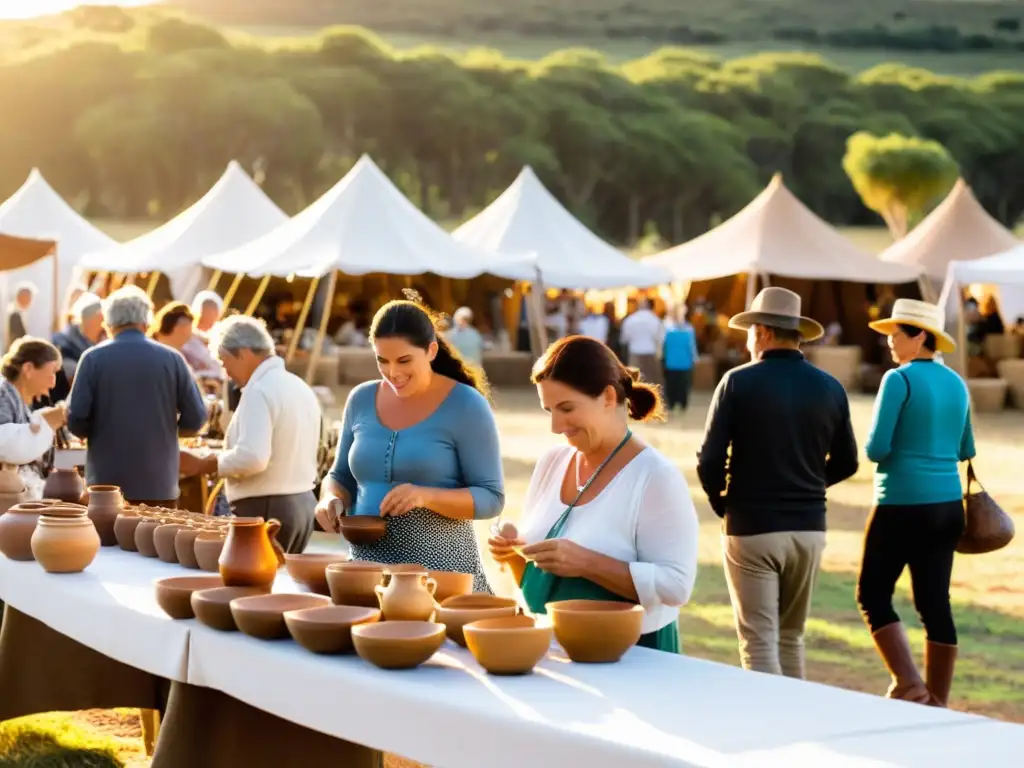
{"x": 990, "y": 671}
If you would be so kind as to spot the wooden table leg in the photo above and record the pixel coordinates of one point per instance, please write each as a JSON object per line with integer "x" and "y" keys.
{"x": 150, "y": 729}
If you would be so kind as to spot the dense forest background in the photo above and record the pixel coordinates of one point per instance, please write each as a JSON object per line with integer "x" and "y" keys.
{"x": 134, "y": 114}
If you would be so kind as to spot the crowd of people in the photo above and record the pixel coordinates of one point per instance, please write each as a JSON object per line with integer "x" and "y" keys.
{"x": 606, "y": 515}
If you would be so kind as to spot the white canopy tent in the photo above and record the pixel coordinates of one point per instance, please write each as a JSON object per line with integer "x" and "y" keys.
{"x": 235, "y": 211}
{"x": 364, "y": 224}
{"x": 776, "y": 234}
{"x": 37, "y": 211}
{"x": 526, "y": 217}
{"x": 1003, "y": 271}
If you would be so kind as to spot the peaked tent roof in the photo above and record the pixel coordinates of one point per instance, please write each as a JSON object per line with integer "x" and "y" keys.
{"x": 365, "y": 224}
{"x": 959, "y": 229}
{"x": 776, "y": 234}
{"x": 527, "y": 217}
{"x": 233, "y": 212}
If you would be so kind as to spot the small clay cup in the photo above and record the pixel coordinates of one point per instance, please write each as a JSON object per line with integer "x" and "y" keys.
{"x": 451, "y": 584}
{"x": 397, "y": 644}
{"x": 104, "y": 504}
{"x": 262, "y": 616}
{"x": 207, "y": 547}
{"x": 174, "y": 595}
{"x": 596, "y": 631}
{"x": 124, "y": 530}
{"x": 509, "y": 646}
{"x": 185, "y": 546}
{"x": 212, "y": 607}
{"x": 363, "y": 529}
{"x": 163, "y": 541}
{"x": 456, "y": 612}
{"x": 144, "y": 543}
{"x": 328, "y": 629}
{"x": 310, "y": 569}
{"x": 354, "y": 583}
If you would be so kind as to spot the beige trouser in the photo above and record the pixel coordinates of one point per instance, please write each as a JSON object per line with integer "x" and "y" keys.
{"x": 771, "y": 578}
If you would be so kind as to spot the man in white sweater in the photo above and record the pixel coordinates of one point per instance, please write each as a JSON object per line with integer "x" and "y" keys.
{"x": 269, "y": 464}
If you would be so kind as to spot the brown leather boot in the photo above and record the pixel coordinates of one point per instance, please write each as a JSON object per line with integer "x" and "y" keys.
{"x": 939, "y": 662}
{"x": 894, "y": 648}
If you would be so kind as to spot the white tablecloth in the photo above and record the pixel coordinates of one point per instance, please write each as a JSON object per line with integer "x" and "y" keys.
{"x": 651, "y": 709}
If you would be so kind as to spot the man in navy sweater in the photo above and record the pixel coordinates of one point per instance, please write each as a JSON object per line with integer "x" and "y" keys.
{"x": 131, "y": 399}
{"x": 778, "y": 434}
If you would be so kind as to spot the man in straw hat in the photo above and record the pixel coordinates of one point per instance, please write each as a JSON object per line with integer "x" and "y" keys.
{"x": 778, "y": 434}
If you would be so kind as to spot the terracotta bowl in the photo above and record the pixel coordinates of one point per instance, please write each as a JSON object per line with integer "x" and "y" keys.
{"x": 353, "y": 583}
{"x": 596, "y": 631}
{"x": 212, "y": 607}
{"x": 310, "y": 569}
{"x": 363, "y": 529}
{"x": 328, "y": 629}
{"x": 456, "y": 612}
{"x": 163, "y": 540}
{"x": 207, "y": 548}
{"x": 262, "y": 616}
{"x": 397, "y": 644}
{"x": 174, "y": 595}
{"x": 509, "y": 646}
{"x": 451, "y": 583}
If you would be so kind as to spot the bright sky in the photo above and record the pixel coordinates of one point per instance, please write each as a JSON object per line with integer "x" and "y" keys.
{"x": 28, "y": 9}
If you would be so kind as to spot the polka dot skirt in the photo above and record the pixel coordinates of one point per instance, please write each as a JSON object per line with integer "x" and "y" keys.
{"x": 436, "y": 542}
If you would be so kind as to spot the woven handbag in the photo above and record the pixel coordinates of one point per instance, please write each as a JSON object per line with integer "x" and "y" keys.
{"x": 987, "y": 526}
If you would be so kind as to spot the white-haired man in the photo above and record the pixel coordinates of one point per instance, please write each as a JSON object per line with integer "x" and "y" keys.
{"x": 84, "y": 330}
{"x": 131, "y": 399}
{"x": 269, "y": 464}
{"x": 207, "y": 308}
{"x": 465, "y": 338}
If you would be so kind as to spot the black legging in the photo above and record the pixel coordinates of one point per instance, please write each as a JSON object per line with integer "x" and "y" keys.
{"x": 922, "y": 537}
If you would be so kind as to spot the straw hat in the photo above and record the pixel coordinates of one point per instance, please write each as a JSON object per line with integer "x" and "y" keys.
{"x": 917, "y": 314}
{"x": 778, "y": 308}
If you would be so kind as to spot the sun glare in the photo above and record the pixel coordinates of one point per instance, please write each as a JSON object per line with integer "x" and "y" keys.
{"x": 31, "y": 9}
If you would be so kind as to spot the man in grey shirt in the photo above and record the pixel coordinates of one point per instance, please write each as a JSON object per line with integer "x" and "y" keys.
{"x": 131, "y": 399}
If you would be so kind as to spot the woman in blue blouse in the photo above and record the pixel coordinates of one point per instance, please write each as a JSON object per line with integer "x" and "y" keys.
{"x": 921, "y": 431}
{"x": 420, "y": 448}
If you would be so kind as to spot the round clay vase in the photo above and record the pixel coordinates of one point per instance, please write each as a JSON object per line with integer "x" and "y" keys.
{"x": 17, "y": 525}
{"x": 105, "y": 503}
{"x": 65, "y": 544}
{"x": 409, "y": 596}
{"x": 65, "y": 485}
{"x": 124, "y": 529}
{"x": 251, "y": 556}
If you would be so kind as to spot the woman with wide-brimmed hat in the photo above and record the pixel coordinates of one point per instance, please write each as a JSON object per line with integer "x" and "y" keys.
{"x": 920, "y": 432}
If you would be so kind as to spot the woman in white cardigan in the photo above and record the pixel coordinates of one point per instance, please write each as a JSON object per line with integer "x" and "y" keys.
{"x": 606, "y": 517}
{"x": 29, "y": 371}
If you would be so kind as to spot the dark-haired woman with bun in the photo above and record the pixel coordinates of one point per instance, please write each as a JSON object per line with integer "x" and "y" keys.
{"x": 418, "y": 447}
{"x": 26, "y": 437}
{"x": 606, "y": 516}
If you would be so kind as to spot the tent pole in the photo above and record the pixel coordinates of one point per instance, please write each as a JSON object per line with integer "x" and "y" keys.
{"x": 325, "y": 316}
{"x": 925, "y": 286}
{"x": 154, "y": 278}
{"x": 233, "y": 289}
{"x": 56, "y": 292}
{"x": 300, "y": 325}
{"x": 214, "y": 279}
{"x": 751, "y": 289}
{"x": 258, "y": 295}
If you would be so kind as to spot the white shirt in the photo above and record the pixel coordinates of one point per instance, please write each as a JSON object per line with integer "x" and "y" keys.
{"x": 642, "y": 333}
{"x": 644, "y": 517}
{"x": 273, "y": 438}
{"x": 595, "y": 326}
{"x": 21, "y": 444}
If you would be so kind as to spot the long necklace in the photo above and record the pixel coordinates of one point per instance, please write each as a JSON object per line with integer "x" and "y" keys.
{"x": 580, "y": 487}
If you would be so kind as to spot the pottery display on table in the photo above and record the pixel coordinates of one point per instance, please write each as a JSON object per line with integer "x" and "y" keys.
{"x": 353, "y": 583}
{"x": 174, "y": 595}
{"x": 251, "y": 556}
{"x": 262, "y": 616}
{"x": 310, "y": 569}
{"x": 456, "y": 612}
{"x": 212, "y": 607}
{"x": 163, "y": 541}
{"x": 124, "y": 529}
{"x": 451, "y": 584}
{"x": 64, "y": 484}
{"x": 17, "y": 525}
{"x": 508, "y": 646}
{"x": 596, "y": 631}
{"x": 65, "y": 543}
{"x": 207, "y": 548}
{"x": 328, "y": 629}
{"x": 397, "y": 644}
{"x": 363, "y": 529}
{"x": 12, "y": 487}
{"x": 408, "y": 596}
{"x": 104, "y": 504}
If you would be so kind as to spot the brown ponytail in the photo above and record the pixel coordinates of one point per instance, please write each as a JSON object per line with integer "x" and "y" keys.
{"x": 27, "y": 349}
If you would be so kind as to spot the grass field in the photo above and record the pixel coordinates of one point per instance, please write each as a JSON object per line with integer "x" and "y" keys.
{"x": 988, "y": 590}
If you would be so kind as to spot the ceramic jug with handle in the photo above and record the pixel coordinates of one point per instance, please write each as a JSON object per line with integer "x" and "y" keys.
{"x": 251, "y": 554}
{"x": 409, "y": 596}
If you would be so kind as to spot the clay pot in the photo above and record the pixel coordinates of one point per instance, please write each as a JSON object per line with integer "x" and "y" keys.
{"x": 509, "y": 646}
{"x": 363, "y": 529}
{"x": 105, "y": 503}
{"x": 596, "y": 631}
{"x": 354, "y": 583}
{"x": 144, "y": 531}
{"x": 64, "y": 484}
{"x": 185, "y": 546}
{"x": 208, "y": 546}
{"x": 65, "y": 544}
{"x": 397, "y": 644}
{"x": 451, "y": 583}
{"x": 328, "y": 629}
{"x": 251, "y": 555}
{"x": 124, "y": 530}
{"x": 163, "y": 541}
{"x": 262, "y": 616}
{"x": 174, "y": 595}
{"x": 310, "y": 569}
{"x": 409, "y": 596}
{"x": 458, "y": 611}
{"x": 17, "y": 525}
